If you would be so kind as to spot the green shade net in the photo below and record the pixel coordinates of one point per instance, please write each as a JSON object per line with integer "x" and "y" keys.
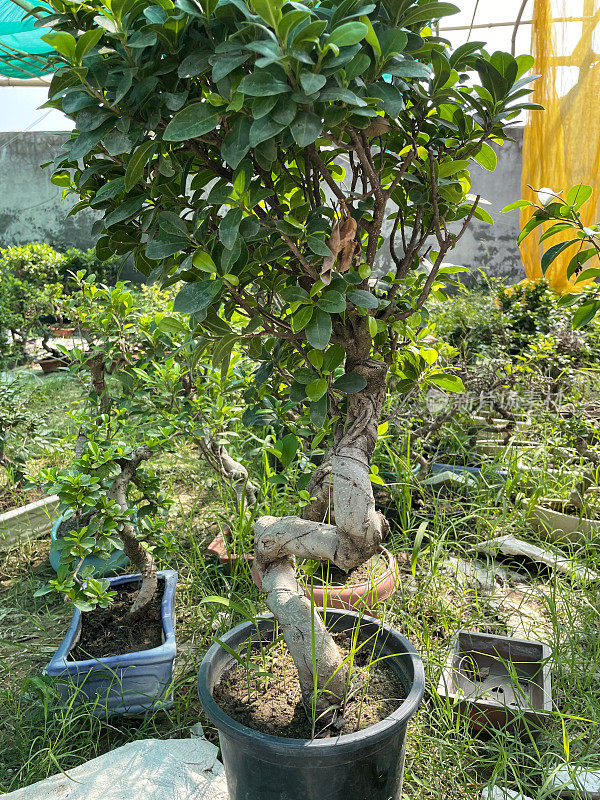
{"x": 22, "y": 52}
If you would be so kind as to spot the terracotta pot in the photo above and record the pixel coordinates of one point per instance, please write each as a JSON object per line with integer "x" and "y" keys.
{"x": 353, "y": 597}
{"x": 63, "y": 333}
{"x": 548, "y": 517}
{"x": 217, "y": 549}
{"x": 52, "y": 364}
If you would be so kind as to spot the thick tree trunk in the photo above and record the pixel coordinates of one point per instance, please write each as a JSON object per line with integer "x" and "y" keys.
{"x": 352, "y": 533}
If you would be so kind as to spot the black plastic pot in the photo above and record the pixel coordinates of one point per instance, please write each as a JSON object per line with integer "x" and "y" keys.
{"x": 366, "y": 765}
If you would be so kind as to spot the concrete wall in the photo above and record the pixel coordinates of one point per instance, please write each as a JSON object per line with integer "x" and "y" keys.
{"x": 492, "y": 248}
{"x": 495, "y": 248}
{"x": 32, "y": 209}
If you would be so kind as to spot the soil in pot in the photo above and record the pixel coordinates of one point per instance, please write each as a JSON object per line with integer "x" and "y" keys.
{"x": 114, "y": 631}
{"x": 267, "y": 697}
{"x": 15, "y": 498}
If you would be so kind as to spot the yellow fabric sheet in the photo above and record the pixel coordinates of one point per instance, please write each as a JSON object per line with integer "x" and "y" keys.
{"x": 561, "y": 145}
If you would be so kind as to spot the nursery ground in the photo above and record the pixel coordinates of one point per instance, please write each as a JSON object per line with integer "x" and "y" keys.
{"x": 438, "y": 593}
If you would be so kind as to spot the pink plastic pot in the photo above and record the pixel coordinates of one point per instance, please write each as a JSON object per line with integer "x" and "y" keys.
{"x": 353, "y": 597}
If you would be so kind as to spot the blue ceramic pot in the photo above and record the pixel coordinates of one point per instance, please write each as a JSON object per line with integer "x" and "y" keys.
{"x": 132, "y": 683}
{"x": 116, "y": 562}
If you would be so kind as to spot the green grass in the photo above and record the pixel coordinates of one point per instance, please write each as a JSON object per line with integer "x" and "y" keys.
{"x": 445, "y": 760}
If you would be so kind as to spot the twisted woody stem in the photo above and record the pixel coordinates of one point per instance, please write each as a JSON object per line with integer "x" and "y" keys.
{"x": 352, "y": 535}
{"x": 132, "y": 547}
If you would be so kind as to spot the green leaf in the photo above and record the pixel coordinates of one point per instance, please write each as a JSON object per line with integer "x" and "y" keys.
{"x": 516, "y": 204}
{"x": 318, "y": 246}
{"x": 229, "y": 227}
{"x": 194, "y": 297}
{"x": 371, "y": 36}
{"x": 137, "y": 162}
{"x": 262, "y": 83}
{"x": 452, "y": 167}
{"x": 306, "y": 128}
{"x": 318, "y": 412}
{"x": 189, "y": 123}
{"x": 585, "y": 314}
{"x": 363, "y": 299}
{"x": 195, "y": 64}
{"x": 309, "y": 33}
{"x": 311, "y": 82}
{"x": 553, "y": 252}
{"x": 318, "y": 330}
{"x": 124, "y": 211}
{"x": 390, "y": 96}
{"x": 263, "y": 129}
{"x": 579, "y": 259}
{"x": 341, "y": 94}
{"x": 62, "y": 42}
{"x": 350, "y": 383}
{"x": 87, "y": 42}
{"x": 157, "y": 249}
{"x": 348, "y": 33}
{"x": 483, "y": 215}
{"x": 333, "y": 357}
{"x": 588, "y": 274}
{"x": 554, "y": 229}
{"x": 426, "y": 13}
{"x": 332, "y": 302}
{"x": 301, "y": 318}
{"x": 316, "y": 389}
{"x": 535, "y": 221}
{"x": 451, "y": 383}
{"x": 237, "y": 142}
{"x": 487, "y": 157}
{"x": 203, "y": 261}
{"x": 295, "y": 294}
{"x": 578, "y": 195}
{"x": 408, "y": 68}
{"x": 289, "y": 448}
{"x": 226, "y": 64}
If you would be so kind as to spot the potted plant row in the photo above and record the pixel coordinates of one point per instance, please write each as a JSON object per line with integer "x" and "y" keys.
{"x": 279, "y": 140}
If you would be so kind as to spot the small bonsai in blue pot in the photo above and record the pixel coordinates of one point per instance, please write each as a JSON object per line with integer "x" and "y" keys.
{"x": 118, "y": 652}
{"x": 91, "y": 669}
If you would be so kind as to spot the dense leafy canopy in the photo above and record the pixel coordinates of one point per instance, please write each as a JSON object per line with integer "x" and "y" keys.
{"x": 253, "y": 149}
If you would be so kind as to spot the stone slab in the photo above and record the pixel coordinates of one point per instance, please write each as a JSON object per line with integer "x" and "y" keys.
{"x": 576, "y": 783}
{"x": 500, "y": 793}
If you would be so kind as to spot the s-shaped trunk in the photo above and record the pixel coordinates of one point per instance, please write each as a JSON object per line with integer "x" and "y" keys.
{"x": 351, "y": 537}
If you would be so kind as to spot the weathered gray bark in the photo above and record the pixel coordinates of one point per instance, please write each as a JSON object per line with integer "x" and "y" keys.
{"x": 232, "y": 472}
{"x": 352, "y": 533}
{"x": 133, "y": 549}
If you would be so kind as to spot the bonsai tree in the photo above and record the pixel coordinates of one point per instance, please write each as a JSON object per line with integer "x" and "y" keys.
{"x": 109, "y": 498}
{"x": 265, "y": 152}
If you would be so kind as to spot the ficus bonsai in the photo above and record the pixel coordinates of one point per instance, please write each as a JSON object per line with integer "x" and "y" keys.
{"x": 255, "y": 149}
{"x": 109, "y": 498}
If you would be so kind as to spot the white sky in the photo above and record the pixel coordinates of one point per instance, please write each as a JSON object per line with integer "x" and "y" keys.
{"x": 20, "y": 107}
